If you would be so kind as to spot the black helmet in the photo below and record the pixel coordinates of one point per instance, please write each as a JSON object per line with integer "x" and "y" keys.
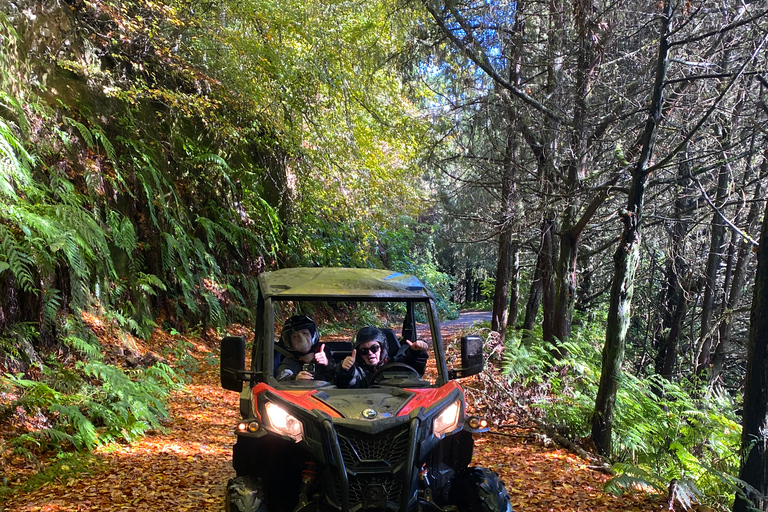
{"x": 298, "y": 323}
{"x": 371, "y": 333}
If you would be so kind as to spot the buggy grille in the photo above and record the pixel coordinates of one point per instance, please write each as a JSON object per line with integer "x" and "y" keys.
{"x": 389, "y": 447}
{"x": 374, "y": 460}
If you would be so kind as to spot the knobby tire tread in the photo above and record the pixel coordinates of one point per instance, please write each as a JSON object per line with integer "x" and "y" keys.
{"x": 481, "y": 490}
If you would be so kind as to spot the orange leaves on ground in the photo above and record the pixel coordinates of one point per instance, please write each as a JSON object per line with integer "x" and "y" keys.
{"x": 187, "y": 467}
{"x": 544, "y": 479}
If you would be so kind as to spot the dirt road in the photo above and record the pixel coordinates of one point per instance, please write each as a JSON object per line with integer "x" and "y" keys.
{"x": 467, "y": 318}
{"x": 186, "y": 468}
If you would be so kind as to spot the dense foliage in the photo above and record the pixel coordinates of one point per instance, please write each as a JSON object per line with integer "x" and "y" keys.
{"x": 154, "y": 158}
{"x": 665, "y": 431}
{"x": 559, "y": 160}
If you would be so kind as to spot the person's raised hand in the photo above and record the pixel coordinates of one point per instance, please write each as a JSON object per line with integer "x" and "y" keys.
{"x": 349, "y": 361}
{"x": 320, "y": 357}
{"x": 304, "y": 375}
{"x": 418, "y": 345}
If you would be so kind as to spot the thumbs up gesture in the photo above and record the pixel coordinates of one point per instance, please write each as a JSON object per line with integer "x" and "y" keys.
{"x": 418, "y": 345}
{"x": 349, "y": 361}
{"x": 320, "y": 357}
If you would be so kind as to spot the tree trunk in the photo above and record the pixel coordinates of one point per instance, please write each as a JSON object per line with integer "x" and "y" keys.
{"x": 738, "y": 279}
{"x": 501, "y": 291}
{"x": 547, "y": 282}
{"x": 279, "y": 195}
{"x": 565, "y": 299}
{"x": 625, "y": 263}
{"x": 503, "y": 270}
{"x": 534, "y": 296}
{"x": 754, "y": 434}
{"x": 565, "y": 284}
{"x": 677, "y": 281}
{"x": 468, "y": 286}
{"x": 514, "y": 287}
{"x": 710, "y": 279}
{"x": 676, "y": 306}
{"x": 626, "y": 257}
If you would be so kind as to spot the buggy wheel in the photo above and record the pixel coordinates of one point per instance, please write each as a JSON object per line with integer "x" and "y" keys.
{"x": 245, "y": 494}
{"x": 479, "y": 490}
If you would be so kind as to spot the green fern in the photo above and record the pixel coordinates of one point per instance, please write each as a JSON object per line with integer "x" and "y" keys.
{"x": 631, "y": 478}
{"x": 92, "y": 403}
{"x": 84, "y": 436}
{"x": 52, "y": 304}
{"x": 123, "y": 232}
{"x": 149, "y": 282}
{"x": 90, "y": 348}
{"x": 85, "y": 133}
{"x": 211, "y": 158}
{"x": 56, "y": 436}
{"x": 109, "y": 149}
{"x": 14, "y": 257}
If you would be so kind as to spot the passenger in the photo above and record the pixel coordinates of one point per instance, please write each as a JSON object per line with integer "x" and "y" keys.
{"x": 308, "y": 359}
{"x": 369, "y": 353}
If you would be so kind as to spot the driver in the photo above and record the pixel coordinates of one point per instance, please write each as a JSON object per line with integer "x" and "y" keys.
{"x": 369, "y": 353}
{"x": 308, "y": 359}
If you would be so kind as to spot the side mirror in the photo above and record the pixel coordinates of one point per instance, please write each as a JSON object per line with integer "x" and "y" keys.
{"x": 232, "y": 363}
{"x": 472, "y": 361}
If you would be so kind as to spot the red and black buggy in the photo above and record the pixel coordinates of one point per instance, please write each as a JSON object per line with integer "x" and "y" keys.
{"x": 402, "y": 444}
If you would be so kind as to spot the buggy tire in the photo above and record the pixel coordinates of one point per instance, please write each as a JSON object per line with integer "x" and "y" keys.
{"x": 479, "y": 490}
{"x": 245, "y": 494}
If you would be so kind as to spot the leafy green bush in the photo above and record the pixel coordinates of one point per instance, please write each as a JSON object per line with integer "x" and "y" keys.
{"x": 482, "y": 305}
{"x": 662, "y": 430}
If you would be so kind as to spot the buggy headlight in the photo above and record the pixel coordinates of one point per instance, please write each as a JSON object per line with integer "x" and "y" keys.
{"x": 448, "y": 419}
{"x": 282, "y": 422}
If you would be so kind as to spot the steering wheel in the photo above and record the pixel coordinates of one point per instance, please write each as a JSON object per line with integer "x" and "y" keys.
{"x": 401, "y": 369}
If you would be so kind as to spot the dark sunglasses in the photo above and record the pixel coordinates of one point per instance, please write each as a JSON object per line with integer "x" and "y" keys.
{"x": 366, "y": 350}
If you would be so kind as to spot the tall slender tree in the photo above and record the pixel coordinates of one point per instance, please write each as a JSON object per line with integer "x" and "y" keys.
{"x": 627, "y": 255}
{"x": 754, "y": 433}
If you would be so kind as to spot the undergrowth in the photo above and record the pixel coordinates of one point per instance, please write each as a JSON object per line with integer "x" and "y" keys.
{"x": 74, "y": 401}
{"x": 67, "y": 465}
{"x": 678, "y": 433}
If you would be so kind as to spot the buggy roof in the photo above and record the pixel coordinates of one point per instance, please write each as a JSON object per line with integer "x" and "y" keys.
{"x": 341, "y": 283}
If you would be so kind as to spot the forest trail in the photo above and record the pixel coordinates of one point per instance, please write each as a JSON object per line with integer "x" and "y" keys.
{"x": 467, "y": 318}
{"x": 187, "y": 467}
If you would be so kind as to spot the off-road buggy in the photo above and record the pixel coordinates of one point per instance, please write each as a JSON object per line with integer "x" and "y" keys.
{"x": 402, "y": 444}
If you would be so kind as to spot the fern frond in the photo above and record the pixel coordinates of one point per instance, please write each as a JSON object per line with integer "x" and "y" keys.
{"x": 56, "y": 436}
{"x": 35, "y": 394}
{"x": 85, "y": 133}
{"x": 84, "y": 432}
{"x": 148, "y": 283}
{"x": 52, "y": 300}
{"x": 123, "y": 232}
{"x": 211, "y": 158}
{"x": 622, "y": 483}
{"x": 14, "y": 163}
{"x": 633, "y": 478}
{"x": 687, "y": 494}
{"x": 17, "y": 260}
{"x": 215, "y": 312}
{"x": 109, "y": 149}
{"x": 89, "y": 348}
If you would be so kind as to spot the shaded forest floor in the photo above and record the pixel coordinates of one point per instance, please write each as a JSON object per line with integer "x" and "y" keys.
{"x": 186, "y": 467}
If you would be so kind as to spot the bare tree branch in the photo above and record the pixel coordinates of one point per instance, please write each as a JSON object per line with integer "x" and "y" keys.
{"x": 719, "y": 31}
{"x": 711, "y": 109}
{"x": 481, "y": 60}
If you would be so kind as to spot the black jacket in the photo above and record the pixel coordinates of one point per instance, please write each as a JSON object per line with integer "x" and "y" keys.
{"x": 291, "y": 366}
{"x": 359, "y": 374}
